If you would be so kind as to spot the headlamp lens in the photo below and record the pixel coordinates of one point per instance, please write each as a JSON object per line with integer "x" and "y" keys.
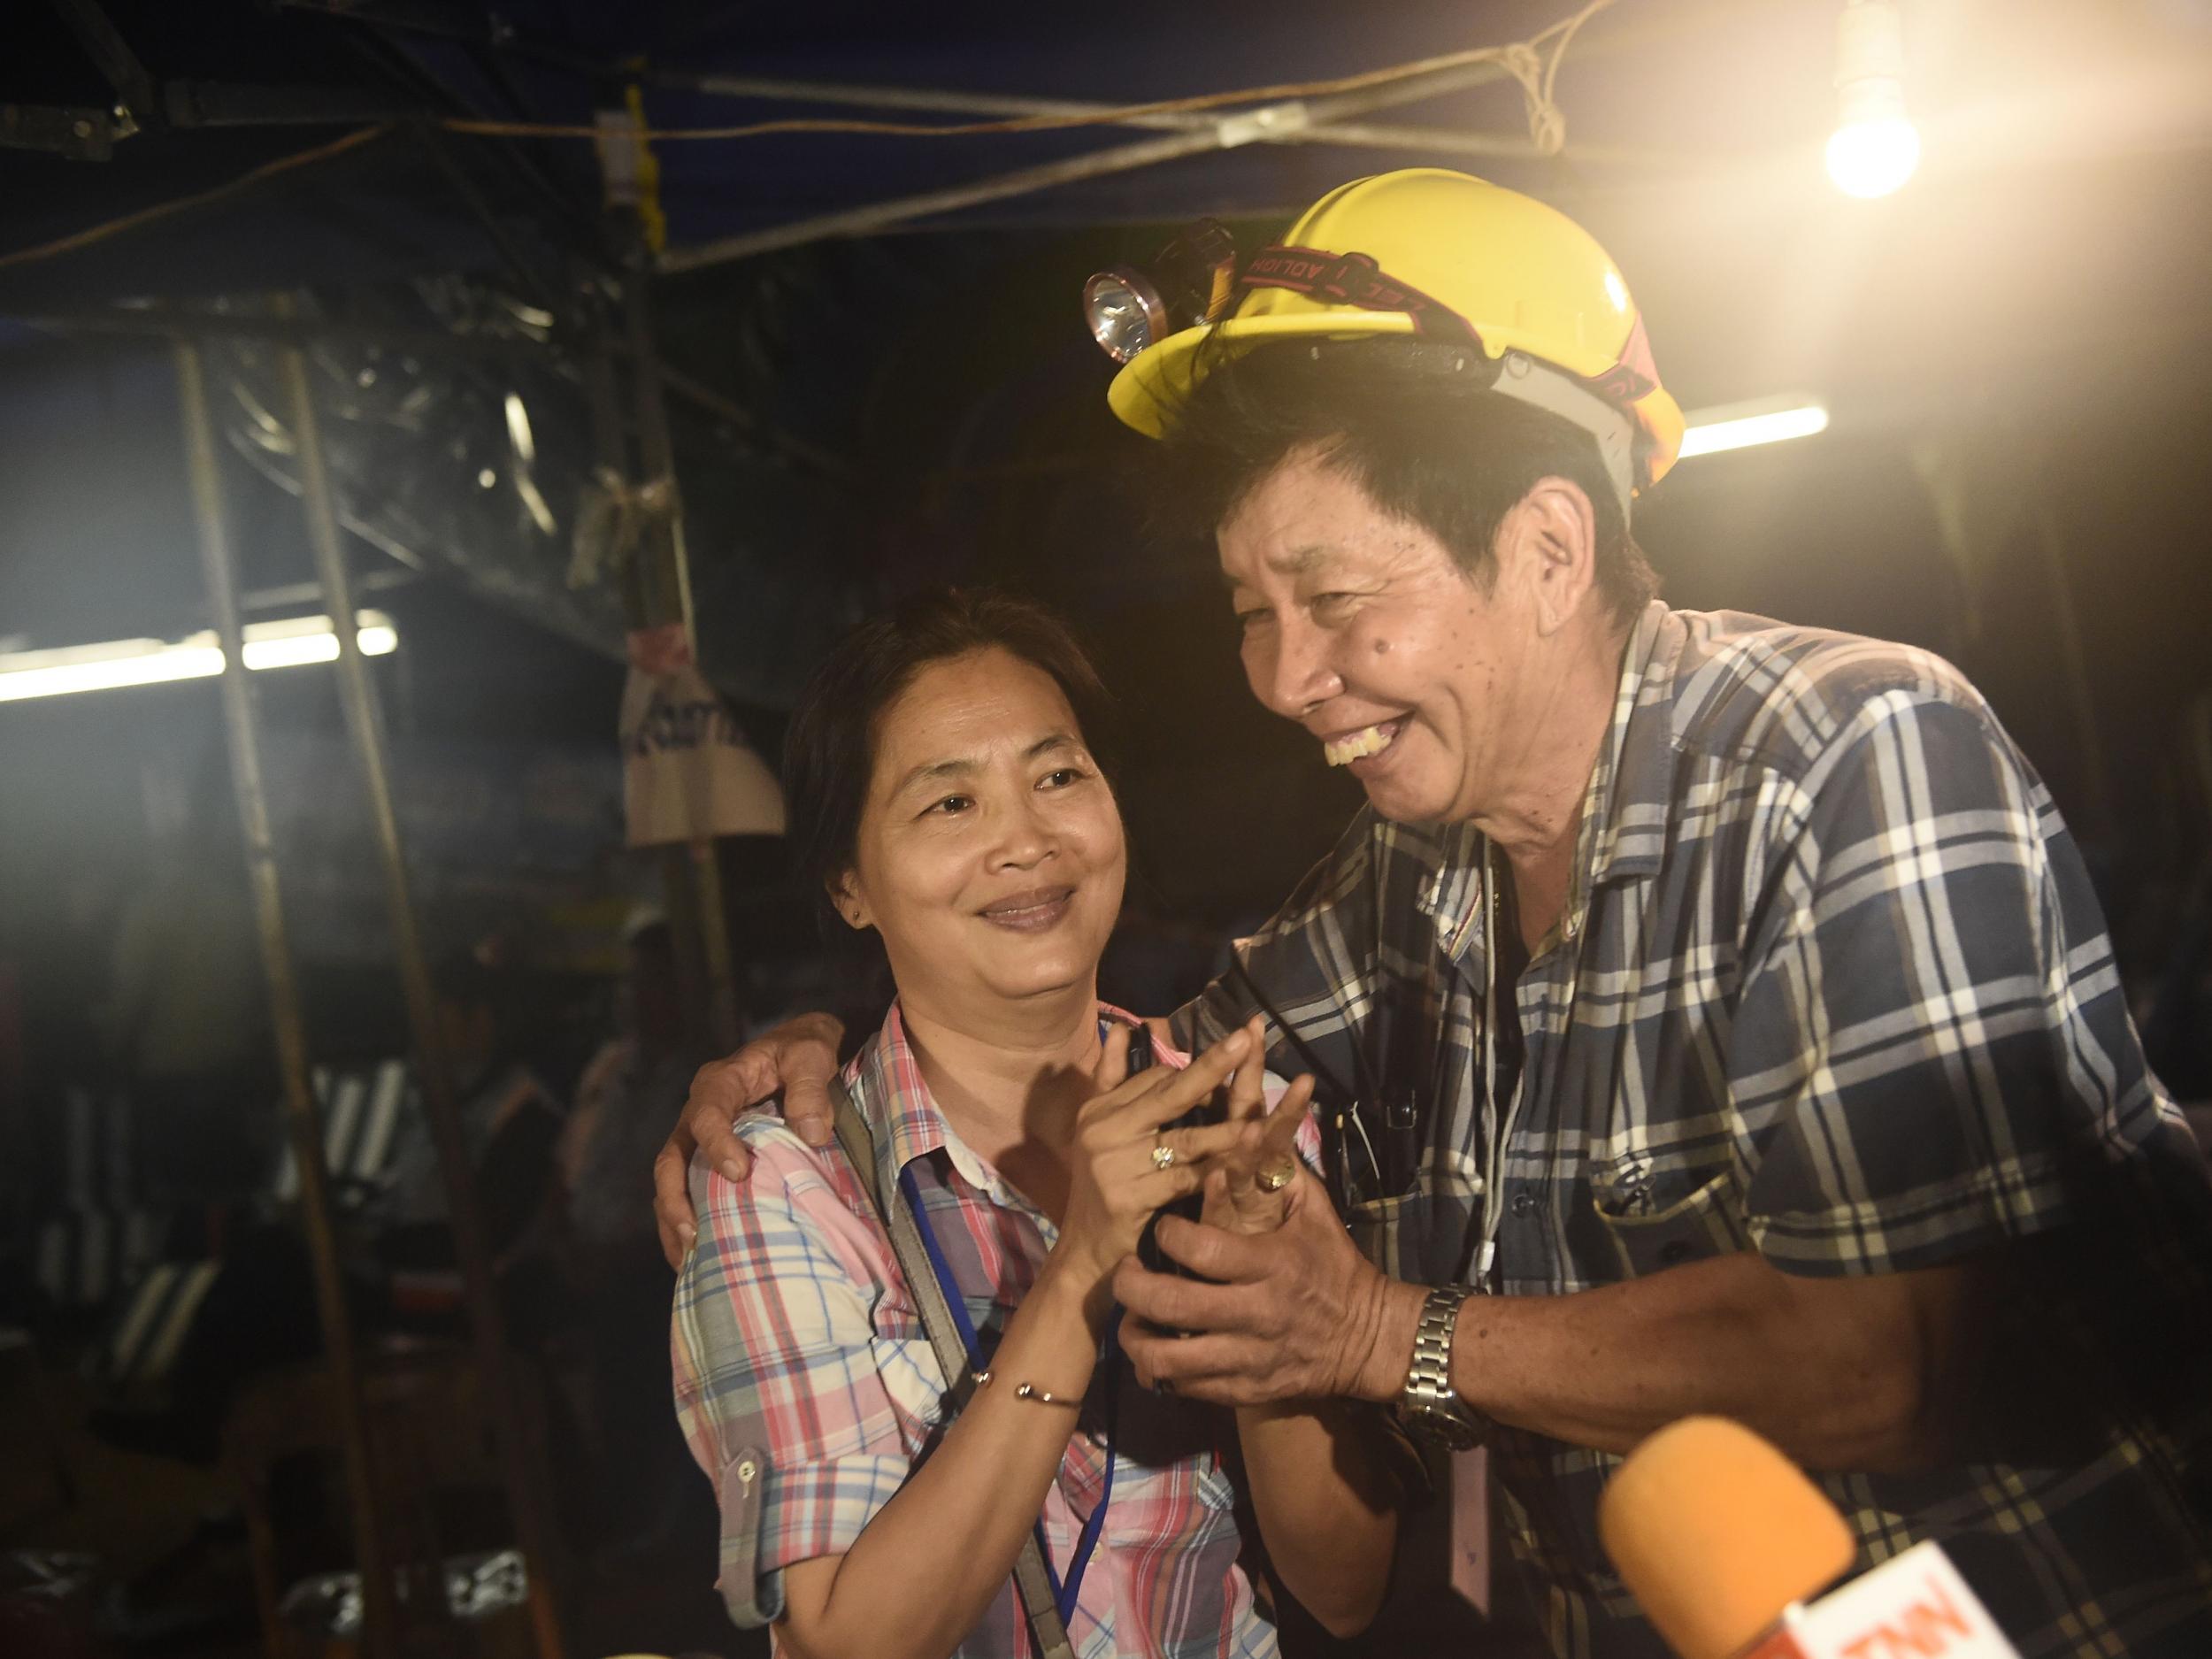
{"x": 1124, "y": 313}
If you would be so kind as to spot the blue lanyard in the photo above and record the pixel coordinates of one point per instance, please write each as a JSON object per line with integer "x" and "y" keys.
{"x": 1110, "y": 1359}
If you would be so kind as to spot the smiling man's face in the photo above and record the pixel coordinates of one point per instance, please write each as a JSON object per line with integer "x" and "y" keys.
{"x": 1361, "y": 626}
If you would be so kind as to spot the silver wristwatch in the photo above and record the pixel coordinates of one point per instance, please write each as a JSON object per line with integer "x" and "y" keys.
{"x": 1428, "y": 1406}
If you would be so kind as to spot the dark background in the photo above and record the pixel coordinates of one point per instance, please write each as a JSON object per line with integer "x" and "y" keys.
{"x": 2017, "y": 351}
{"x": 2026, "y": 321}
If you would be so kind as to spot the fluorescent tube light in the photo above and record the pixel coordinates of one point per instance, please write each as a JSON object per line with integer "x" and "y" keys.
{"x": 1739, "y": 426}
{"x": 117, "y": 662}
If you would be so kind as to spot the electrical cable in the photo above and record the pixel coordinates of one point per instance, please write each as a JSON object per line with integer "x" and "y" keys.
{"x": 1536, "y": 70}
{"x": 162, "y": 210}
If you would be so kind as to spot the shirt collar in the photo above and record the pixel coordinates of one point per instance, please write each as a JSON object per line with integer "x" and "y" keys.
{"x": 1624, "y": 805}
{"x": 1452, "y": 895}
{"x": 887, "y": 1086}
{"x": 1624, "y": 811}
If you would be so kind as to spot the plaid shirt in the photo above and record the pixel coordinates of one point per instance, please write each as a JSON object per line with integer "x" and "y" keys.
{"x": 1830, "y": 984}
{"x": 808, "y": 1389}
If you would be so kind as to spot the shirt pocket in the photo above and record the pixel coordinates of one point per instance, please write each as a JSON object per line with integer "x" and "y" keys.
{"x": 1650, "y": 1230}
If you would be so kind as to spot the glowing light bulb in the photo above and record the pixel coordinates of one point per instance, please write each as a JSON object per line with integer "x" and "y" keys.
{"x": 1872, "y": 158}
{"x": 1875, "y": 147}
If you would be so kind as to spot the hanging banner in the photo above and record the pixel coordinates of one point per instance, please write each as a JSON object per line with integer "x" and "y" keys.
{"x": 687, "y": 772}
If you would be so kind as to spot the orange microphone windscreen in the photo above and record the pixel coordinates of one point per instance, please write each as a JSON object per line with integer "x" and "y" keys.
{"x": 1716, "y": 1532}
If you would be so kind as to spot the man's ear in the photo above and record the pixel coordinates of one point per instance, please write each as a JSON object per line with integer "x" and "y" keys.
{"x": 1549, "y": 540}
{"x": 847, "y": 898}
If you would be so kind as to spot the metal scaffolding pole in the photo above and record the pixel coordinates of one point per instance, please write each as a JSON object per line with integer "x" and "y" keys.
{"x": 666, "y": 592}
{"x": 1444, "y": 140}
{"x": 302, "y": 1127}
{"x": 511, "y": 1424}
{"x": 1325, "y": 119}
{"x": 611, "y": 448}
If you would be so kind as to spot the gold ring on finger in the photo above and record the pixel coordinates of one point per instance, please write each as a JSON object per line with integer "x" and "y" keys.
{"x": 1275, "y": 1179}
{"x": 1163, "y": 1155}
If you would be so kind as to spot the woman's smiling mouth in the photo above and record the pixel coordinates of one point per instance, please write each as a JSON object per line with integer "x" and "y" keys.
{"x": 1030, "y": 911}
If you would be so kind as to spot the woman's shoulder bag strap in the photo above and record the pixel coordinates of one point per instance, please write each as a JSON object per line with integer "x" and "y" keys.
{"x": 1047, "y": 1635}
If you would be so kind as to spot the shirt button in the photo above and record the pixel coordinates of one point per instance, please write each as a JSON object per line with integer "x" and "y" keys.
{"x": 1524, "y": 1203}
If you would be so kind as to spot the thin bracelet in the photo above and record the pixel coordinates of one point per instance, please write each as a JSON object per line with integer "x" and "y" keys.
{"x": 1030, "y": 1391}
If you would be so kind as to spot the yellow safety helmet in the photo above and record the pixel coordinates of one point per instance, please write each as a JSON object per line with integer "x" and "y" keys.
{"x": 1430, "y": 253}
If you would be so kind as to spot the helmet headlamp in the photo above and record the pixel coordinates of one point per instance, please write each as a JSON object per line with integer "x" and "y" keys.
{"x": 1192, "y": 283}
{"x": 1125, "y": 311}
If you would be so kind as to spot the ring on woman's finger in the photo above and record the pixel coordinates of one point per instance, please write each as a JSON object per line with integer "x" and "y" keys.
{"x": 1277, "y": 1176}
{"x": 1163, "y": 1155}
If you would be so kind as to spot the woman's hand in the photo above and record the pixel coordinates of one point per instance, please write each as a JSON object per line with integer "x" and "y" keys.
{"x": 1247, "y": 1187}
{"x": 1125, "y": 1163}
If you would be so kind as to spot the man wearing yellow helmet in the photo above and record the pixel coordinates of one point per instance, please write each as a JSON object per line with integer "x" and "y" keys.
{"x": 1712, "y": 1016}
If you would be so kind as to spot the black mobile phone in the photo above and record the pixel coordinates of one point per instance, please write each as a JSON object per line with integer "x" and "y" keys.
{"x": 1209, "y": 1110}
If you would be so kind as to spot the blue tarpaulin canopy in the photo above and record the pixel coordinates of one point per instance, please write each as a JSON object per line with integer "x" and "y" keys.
{"x": 539, "y": 62}
{"x": 856, "y": 413}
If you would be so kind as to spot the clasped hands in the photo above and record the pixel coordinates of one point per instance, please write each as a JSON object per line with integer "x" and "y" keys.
{"x": 1285, "y": 1306}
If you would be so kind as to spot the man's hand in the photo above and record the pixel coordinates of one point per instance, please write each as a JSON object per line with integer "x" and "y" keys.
{"x": 1245, "y": 1191}
{"x": 1298, "y": 1312}
{"x": 799, "y": 1057}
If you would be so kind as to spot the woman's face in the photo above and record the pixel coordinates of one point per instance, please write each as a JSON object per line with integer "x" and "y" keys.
{"x": 990, "y": 853}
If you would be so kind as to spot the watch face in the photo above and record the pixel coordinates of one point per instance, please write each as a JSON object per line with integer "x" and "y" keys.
{"x": 1443, "y": 1428}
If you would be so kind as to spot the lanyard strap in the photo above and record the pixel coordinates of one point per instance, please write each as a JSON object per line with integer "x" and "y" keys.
{"x": 1063, "y": 1596}
{"x": 1047, "y": 1630}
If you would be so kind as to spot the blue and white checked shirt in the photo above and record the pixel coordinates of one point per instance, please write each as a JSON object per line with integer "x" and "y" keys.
{"x": 1830, "y": 984}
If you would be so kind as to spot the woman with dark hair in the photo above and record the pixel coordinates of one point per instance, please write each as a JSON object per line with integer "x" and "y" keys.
{"x": 943, "y": 794}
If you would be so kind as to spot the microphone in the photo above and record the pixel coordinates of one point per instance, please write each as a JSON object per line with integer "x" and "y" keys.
{"x": 1716, "y": 1532}
{"x": 1725, "y": 1542}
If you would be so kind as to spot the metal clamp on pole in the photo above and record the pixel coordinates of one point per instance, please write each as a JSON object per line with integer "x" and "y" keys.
{"x": 1264, "y": 125}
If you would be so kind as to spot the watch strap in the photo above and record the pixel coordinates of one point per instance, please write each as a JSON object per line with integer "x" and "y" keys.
{"x": 1428, "y": 1404}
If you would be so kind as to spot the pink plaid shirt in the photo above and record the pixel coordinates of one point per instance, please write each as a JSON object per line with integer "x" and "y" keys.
{"x": 810, "y": 1392}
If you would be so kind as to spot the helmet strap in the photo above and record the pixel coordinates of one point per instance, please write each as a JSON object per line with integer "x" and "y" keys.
{"x": 1354, "y": 280}
{"x": 1533, "y": 381}
{"x": 1543, "y": 387}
